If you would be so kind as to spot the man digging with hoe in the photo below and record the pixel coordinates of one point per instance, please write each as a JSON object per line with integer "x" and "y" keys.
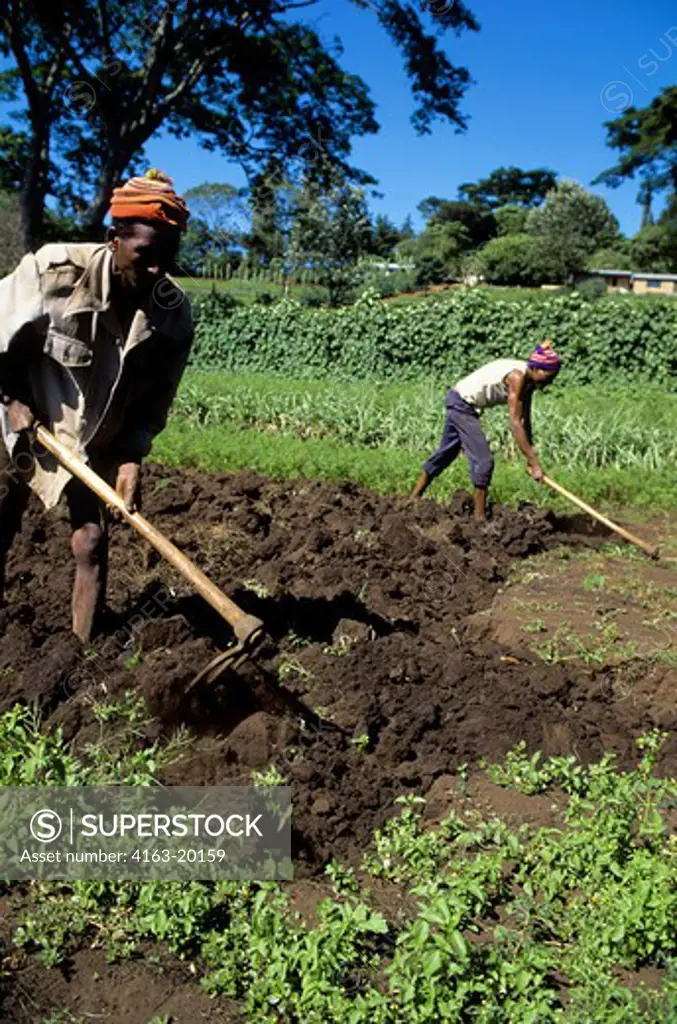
{"x": 510, "y": 382}
{"x": 94, "y": 339}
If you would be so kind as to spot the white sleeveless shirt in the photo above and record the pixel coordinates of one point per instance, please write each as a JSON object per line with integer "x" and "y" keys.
{"x": 486, "y": 387}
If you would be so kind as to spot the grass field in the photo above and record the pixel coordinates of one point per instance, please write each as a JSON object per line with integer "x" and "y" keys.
{"x": 497, "y": 292}
{"x": 617, "y": 447}
{"x": 246, "y": 292}
{"x": 249, "y": 291}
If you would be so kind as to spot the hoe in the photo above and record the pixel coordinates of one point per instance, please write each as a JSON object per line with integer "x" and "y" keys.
{"x": 650, "y": 550}
{"x": 249, "y": 631}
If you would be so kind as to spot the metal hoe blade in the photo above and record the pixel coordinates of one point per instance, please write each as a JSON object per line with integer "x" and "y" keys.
{"x": 230, "y": 659}
{"x": 281, "y": 697}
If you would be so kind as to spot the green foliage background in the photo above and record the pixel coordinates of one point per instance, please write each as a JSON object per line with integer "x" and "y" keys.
{"x": 616, "y": 338}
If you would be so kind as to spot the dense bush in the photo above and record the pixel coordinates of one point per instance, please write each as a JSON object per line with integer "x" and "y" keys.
{"x": 430, "y": 270}
{"x": 517, "y": 259}
{"x": 592, "y": 288}
{"x": 621, "y": 337}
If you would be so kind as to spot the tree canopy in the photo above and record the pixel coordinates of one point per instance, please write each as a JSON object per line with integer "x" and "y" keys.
{"x": 646, "y": 140}
{"x": 518, "y": 260}
{"x": 510, "y": 185}
{"x": 249, "y": 78}
{"x": 573, "y": 223}
{"x": 223, "y": 209}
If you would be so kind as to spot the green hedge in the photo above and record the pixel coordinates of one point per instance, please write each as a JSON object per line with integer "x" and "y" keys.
{"x": 615, "y": 337}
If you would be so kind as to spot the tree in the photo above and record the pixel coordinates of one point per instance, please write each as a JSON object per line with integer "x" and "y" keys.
{"x": 510, "y": 185}
{"x": 452, "y": 230}
{"x": 242, "y": 76}
{"x": 384, "y": 237}
{"x": 407, "y": 229}
{"x": 572, "y": 223}
{"x": 441, "y": 245}
{"x": 330, "y": 232}
{"x": 223, "y": 210}
{"x": 647, "y": 142}
{"x": 36, "y": 34}
{"x": 520, "y": 260}
{"x": 429, "y": 270}
{"x": 11, "y": 248}
{"x": 478, "y": 223}
{"x": 654, "y": 248}
{"x": 197, "y": 246}
{"x": 617, "y": 257}
{"x": 511, "y": 219}
{"x": 269, "y": 214}
{"x": 13, "y": 158}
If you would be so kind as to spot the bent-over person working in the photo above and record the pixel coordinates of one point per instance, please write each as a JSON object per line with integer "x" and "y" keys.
{"x": 510, "y": 382}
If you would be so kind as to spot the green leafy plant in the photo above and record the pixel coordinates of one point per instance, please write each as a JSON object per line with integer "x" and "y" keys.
{"x": 134, "y": 660}
{"x": 260, "y": 589}
{"x": 596, "y": 581}
{"x": 492, "y": 916}
{"x": 537, "y": 626}
{"x": 610, "y": 338}
{"x": 272, "y": 776}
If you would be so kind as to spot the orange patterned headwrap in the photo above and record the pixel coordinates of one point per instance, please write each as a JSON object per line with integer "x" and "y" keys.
{"x": 150, "y": 198}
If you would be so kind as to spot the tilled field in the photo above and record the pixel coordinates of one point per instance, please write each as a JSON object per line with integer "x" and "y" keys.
{"x": 373, "y": 605}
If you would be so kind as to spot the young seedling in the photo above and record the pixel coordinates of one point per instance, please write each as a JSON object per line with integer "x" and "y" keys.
{"x": 289, "y": 668}
{"x": 596, "y": 581}
{"x": 272, "y": 776}
{"x": 537, "y": 626}
{"x": 260, "y": 589}
{"x": 134, "y": 659}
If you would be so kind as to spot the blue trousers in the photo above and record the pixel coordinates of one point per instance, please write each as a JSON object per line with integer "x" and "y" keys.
{"x": 462, "y": 430}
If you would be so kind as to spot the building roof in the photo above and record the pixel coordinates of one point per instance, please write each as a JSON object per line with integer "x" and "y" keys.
{"x": 654, "y": 277}
{"x": 634, "y": 275}
{"x": 611, "y": 273}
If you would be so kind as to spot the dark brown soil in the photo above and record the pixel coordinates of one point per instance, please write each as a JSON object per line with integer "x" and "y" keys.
{"x": 131, "y": 992}
{"x": 375, "y": 605}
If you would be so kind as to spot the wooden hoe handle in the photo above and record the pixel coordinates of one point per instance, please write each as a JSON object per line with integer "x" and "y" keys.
{"x": 247, "y": 628}
{"x": 653, "y": 551}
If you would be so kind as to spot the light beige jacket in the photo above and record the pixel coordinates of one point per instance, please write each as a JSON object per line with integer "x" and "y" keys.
{"x": 103, "y": 394}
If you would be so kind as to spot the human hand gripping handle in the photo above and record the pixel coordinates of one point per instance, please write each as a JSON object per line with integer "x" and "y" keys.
{"x": 128, "y": 481}
{"x": 19, "y": 416}
{"x": 535, "y": 470}
{"x": 128, "y": 487}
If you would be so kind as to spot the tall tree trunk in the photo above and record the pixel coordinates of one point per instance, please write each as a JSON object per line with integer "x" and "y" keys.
{"x": 40, "y": 93}
{"x": 647, "y": 202}
{"x": 33, "y": 188}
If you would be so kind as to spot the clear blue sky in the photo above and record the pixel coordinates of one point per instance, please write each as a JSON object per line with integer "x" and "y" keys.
{"x": 542, "y": 75}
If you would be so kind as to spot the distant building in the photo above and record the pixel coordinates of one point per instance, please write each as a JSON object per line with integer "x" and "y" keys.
{"x": 616, "y": 280}
{"x": 654, "y": 284}
{"x": 640, "y": 284}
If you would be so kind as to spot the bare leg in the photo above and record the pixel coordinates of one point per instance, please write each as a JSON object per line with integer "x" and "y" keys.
{"x": 421, "y": 485}
{"x": 14, "y": 494}
{"x": 89, "y": 544}
{"x": 480, "y": 504}
{"x": 90, "y": 548}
